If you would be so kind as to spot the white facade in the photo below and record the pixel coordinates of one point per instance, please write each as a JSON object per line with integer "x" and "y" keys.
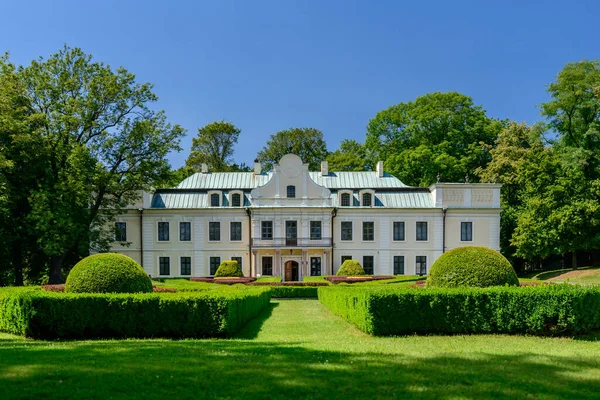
{"x": 294, "y": 223}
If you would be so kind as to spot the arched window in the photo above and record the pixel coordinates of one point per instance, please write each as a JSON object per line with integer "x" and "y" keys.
{"x": 214, "y": 200}
{"x": 236, "y": 200}
{"x": 367, "y": 200}
{"x": 345, "y": 200}
{"x": 291, "y": 192}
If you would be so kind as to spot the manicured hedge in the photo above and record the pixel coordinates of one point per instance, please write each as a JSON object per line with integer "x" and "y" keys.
{"x": 351, "y": 268}
{"x": 542, "y": 310}
{"x": 293, "y": 291}
{"x": 229, "y": 268}
{"x": 46, "y": 315}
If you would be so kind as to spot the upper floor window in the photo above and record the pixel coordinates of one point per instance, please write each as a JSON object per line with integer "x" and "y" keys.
{"x": 398, "y": 231}
{"x": 367, "y": 200}
{"x": 421, "y": 230}
{"x": 266, "y": 230}
{"x": 163, "y": 231}
{"x": 185, "y": 231}
{"x": 345, "y": 200}
{"x": 315, "y": 230}
{"x": 368, "y": 231}
{"x": 214, "y": 200}
{"x": 466, "y": 231}
{"x": 346, "y": 230}
{"x": 235, "y": 233}
{"x": 236, "y": 200}
{"x": 214, "y": 231}
{"x": 291, "y": 192}
{"x": 120, "y": 231}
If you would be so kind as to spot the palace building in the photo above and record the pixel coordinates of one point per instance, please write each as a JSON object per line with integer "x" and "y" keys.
{"x": 293, "y": 222}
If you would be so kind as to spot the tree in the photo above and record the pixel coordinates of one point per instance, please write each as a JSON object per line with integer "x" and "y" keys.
{"x": 307, "y": 143}
{"x": 441, "y": 133}
{"x": 351, "y": 156}
{"x": 102, "y": 145}
{"x": 214, "y": 146}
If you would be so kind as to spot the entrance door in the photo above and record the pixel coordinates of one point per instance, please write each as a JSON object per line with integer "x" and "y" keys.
{"x": 291, "y": 233}
{"x": 291, "y": 271}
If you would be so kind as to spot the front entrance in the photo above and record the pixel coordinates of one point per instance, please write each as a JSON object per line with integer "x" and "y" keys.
{"x": 291, "y": 271}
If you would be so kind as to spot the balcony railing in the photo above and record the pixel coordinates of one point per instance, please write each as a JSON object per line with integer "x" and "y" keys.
{"x": 291, "y": 242}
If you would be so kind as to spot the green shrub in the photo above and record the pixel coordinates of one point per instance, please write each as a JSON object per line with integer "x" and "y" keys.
{"x": 229, "y": 268}
{"x": 108, "y": 273}
{"x": 351, "y": 268}
{"x": 293, "y": 291}
{"x": 269, "y": 279}
{"x": 471, "y": 267}
{"x": 541, "y": 310}
{"x": 46, "y": 315}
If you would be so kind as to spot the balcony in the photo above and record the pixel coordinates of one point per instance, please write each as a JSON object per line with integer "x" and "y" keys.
{"x": 291, "y": 242}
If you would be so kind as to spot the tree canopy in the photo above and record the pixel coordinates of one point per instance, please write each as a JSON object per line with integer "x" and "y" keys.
{"x": 307, "y": 143}
{"x": 351, "y": 156}
{"x": 214, "y": 146}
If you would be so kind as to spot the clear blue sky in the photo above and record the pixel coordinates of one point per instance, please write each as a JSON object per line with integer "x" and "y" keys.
{"x": 332, "y": 65}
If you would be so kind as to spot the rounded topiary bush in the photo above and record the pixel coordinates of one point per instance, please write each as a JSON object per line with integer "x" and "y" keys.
{"x": 108, "y": 273}
{"x": 229, "y": 268}
{"x": 351, "y": 268}
{"x": 472, "y": 267}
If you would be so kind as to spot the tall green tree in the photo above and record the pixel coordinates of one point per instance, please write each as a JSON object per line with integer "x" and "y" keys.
{"x": 214, "y": 146}
{"x": 104, "y": 145}
{"x": 307, "y": 143}
{"x": 351, "y": 156}
{"x": 443, "y": 133}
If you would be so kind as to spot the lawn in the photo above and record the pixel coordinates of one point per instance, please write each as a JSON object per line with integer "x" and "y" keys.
{"x": 583, "y": 276}
{"x": 297, "y": 349}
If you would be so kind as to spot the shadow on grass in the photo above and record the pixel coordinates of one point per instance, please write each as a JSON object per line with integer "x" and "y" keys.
{"x": 253, "y": 327}
{"x": 252, "y": 370}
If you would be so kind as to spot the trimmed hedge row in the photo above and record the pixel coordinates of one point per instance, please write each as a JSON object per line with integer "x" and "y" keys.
{"x": 293, "y": 291}
{"x": 46, "y": 315}
{"x": 542, "y": 310}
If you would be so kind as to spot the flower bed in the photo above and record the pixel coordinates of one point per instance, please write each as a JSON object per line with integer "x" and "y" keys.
{"x": 224, "y": 281}
{"x": 296, "y": 284}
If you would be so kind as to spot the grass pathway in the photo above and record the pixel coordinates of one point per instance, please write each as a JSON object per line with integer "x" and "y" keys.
{"x": 298, "y": 350}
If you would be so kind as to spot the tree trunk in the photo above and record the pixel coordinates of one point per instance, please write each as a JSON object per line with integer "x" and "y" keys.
{"x": 574, "y": 262}
{"x": 56, "y": 270}
{"x": 17, "y": 262}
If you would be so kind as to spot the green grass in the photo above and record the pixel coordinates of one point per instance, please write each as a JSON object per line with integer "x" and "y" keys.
{"x": 297, "y": 349}
{"x": 315, "y": 279}
{"x": 582, "y": 276}
{"x": 269, "y": 279}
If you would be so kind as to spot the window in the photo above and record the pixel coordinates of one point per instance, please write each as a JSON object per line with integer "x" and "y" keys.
{"x": 367, "y": 200}
{"x": 398, "y": 265}
{"x": 466, "y": 231}
{"x": 214, "y": 264}
{"x": 164, "y": 265}
{"x": 368, "y": 264}
{"x": 186, "y": 265}
{"x": 235, "y": 231}
{"x": 398, "y": 231}
{"x": 267, "y": 230}
{"x": 344, "y": 258}
{"x": 238, "y": 259}
{"x": 185, "y": 231}
{"x": 315, "y": 266}
{"x": 214, "y": 200}
{"x": 267, "y": 265}
{"x": 346, "y": 230}
{"x": 291, "y": 192}
{"x": 236, "y": 200}
{"x": 214, "y": 231}
{"x": 315, "y": 230}
{"x": 163, "y": 231}
{"x": 368, "y": 231}
{"x": 421, "y": 265}
{"x": 421, "y": 230}
{"x": 120, "y": 231}
{"x": 345, "y": 200}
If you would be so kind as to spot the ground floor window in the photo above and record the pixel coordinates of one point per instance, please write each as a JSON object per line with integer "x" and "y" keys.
{"x": 238, "y": 259}
{"x": 164, "y": 265}
{"x": 315, "y": 266}
{"x": 186, "y": 265}
{"x": 214, "y": 264}
{"x": 267, "y": 265}
{"x": 344, "y": 258}
{"x": 368, "y": 264}
{"x": 398, "y": 265}
{"x": 466, "y": 231}
{"x": 120, "y": 231}
{"x": 421, "y": 265}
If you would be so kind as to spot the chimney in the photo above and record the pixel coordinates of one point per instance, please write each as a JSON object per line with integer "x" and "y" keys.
{"x": 257, "y": 167}
{"x": 380, "y": 169}
{"x": 324, "y": 168}
{"x": 204, "y": 168}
